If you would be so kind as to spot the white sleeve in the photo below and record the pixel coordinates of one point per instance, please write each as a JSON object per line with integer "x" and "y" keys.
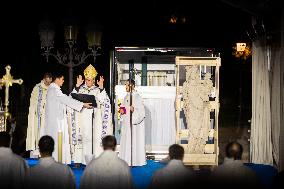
{"x": 70, "y": 102}
{"x": 101, "y": 96}
{"x": 139, "y": 110}
{"x": 74, "y": 91}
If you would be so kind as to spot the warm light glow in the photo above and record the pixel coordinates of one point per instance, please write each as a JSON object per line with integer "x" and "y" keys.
{"x": 241, "y": 46}
{"x": 242, "y": 50}
{"x": 173, "y": 19}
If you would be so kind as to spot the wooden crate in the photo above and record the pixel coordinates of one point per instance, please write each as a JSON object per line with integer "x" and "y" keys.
{"x": 210, "y": 157}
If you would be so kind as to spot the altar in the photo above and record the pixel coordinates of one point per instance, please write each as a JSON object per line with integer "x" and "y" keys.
{"x": 160, "y": 115}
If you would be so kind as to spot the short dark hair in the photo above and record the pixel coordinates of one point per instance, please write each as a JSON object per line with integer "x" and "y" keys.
{"x": 176, "y": 151}
{"x": 47, "y": 75}
{"x": 4, "y": 139}
{"x": 46, "y": 144}
{"x": 109, "y": 142}
{"x": 234, "y": 150}
{"x": 131, "y": 82}
{"x": 57, "y": 75}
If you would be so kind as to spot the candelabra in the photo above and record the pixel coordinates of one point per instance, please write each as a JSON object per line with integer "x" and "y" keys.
{"x": 70, "y": 57}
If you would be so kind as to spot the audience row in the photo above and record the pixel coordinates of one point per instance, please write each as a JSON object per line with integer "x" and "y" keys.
{"x": 109, "y": 171}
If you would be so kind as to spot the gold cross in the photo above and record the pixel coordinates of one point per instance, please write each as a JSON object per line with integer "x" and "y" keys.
{"x": 7, "y": 81}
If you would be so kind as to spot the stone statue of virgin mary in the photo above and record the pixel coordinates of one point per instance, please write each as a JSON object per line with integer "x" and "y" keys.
{"x": 196, "y": 107}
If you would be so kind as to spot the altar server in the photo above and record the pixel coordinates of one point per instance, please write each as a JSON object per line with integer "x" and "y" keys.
{"x": 134, "y": 154}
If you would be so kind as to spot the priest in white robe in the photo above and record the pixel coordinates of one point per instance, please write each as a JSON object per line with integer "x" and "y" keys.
{"x": 56, "y": 117}
{"x": 138, "y": 156}
{"x": 107, "y": 171}
{"x": 175, "y": 174}
{"x": 36, "y": 117}
{"x": 48, "y": 173}
{"x": 91, "y": 125}
{"x": 13, "y": 168}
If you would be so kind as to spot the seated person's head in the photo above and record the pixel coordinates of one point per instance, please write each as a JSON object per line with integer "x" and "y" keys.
{"x": 176, "y": 152}
{"x": 109, "y": 142}
{"x": 234, "y": 150}
{"x": 4, "y": 139}
{"x": 46, "y": 146}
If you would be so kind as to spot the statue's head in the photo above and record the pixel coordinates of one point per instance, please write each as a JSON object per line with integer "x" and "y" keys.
{"x": 192, "y": 72}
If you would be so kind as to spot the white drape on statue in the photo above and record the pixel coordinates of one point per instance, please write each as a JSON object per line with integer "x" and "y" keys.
{"x": 261, "y": 142}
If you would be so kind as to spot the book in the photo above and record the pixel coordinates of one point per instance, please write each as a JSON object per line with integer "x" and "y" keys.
{"x": 85, "y": 98}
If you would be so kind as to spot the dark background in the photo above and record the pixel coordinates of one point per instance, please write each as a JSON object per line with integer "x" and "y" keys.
{"x": 214, "y": 24}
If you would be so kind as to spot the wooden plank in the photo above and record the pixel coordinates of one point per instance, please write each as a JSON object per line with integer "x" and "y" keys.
{"x": 208, "y": 61}
{"x": 177, "y": 106}
{"x": 200, "y": 159}
{"x": 183, "y": 133}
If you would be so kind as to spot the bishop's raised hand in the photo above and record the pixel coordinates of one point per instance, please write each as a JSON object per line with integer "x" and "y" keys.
{"x": 80, "y": 81}
{"x": 101, "y": 82}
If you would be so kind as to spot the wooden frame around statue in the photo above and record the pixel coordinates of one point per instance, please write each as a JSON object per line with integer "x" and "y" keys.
{"x": 210, "y": 158}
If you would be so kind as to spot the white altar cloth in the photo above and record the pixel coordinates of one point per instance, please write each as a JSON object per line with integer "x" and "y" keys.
{"x": 160, "y": 113}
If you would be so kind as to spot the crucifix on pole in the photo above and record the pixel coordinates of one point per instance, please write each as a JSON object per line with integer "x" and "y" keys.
{"x": 7, "y": 81}
{"x": 131, "y": 68}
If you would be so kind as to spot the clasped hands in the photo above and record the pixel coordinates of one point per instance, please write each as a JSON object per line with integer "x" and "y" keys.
{"x": 88, "y": 105}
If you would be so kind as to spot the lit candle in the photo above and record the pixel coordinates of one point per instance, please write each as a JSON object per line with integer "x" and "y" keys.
{"x": 60, "y": 146}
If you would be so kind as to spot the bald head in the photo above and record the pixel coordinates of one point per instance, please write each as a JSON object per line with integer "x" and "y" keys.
{"x": 234, "y": 150}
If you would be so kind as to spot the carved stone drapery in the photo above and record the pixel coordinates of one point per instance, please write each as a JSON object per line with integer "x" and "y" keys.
{"x": 196, "y": 106}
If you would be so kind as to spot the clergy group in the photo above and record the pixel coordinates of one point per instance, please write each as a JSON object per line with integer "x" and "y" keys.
{"x": 78, "y": 126}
